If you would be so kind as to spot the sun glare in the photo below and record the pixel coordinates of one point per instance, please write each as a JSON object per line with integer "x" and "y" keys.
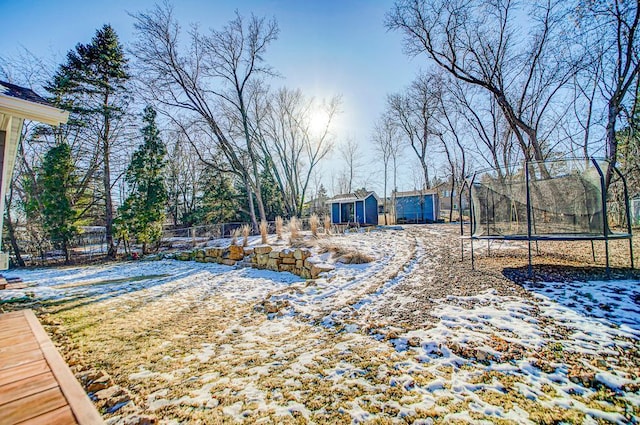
{"x": 318, "y": 120}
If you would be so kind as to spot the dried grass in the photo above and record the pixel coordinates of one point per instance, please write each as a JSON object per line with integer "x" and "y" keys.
{"x": 279, "y": 226}
{"x": 327, "y": 225}
{"x": 294, "y": 228}
{"x": 263, "y": 231}
{"x": 302, "y": 243}
{"x": 345, "y": 255}
{"x": 355, "y": 257}
{"x": 314, "y": 223}
{"x": 246, "y": 231}
{"x": 234, "y": 236}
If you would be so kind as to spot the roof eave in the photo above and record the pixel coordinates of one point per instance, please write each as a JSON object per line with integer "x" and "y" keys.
{"x": 32, "y": 111}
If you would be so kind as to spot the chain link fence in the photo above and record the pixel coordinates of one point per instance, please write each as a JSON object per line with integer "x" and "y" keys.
{"x": 91, "y": 244}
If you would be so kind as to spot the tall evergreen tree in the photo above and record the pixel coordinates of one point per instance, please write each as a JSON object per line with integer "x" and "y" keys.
{"x": 57, "y": 181}
{"x": 143, "y": 211}
{"x": 219, "y": 202}
{"x": 272, "y": 196}
{"x": 92, "y": 84}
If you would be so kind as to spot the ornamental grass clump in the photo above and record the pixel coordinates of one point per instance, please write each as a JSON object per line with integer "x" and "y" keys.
{"x": 327, "y": 224}
{"x": 234, "y": 236}
{"x": 279, "y": 226}
{"x": 263, "y": 231}
{"x": 246, "y": 231}
{"x": 344, "y": 254}
{"x": 314, "y": 223}
{"x": 294, "y": 228}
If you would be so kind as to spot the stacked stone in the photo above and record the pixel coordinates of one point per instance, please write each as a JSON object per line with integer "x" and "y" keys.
{"x": 297, "y": 261}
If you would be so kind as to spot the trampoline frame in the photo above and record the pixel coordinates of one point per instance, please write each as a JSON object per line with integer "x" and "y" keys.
{"x": 531, "y": 237}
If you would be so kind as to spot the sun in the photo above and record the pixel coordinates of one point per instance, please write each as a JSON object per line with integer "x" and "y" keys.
{"x": 318, "y": 120}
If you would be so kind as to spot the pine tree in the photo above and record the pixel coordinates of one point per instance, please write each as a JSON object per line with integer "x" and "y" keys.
{"x": 57, "y": 181}
{"x": 320, "y": 203}
{"x": 274, "y": 205}
{"x": 143, "y": 211}
{"x": 272, "y": 196}
{"x": 219, "y": 202}
{"x": 91, "y": 84}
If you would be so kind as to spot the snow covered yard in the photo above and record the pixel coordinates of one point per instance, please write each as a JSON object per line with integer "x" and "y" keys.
{"x": 415, "y": 336}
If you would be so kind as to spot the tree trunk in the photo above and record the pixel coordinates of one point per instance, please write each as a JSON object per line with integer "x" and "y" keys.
{"x": 395, "y": 189}
{"x": 12, "y": 239}
{"x": 252, "y": 210}
{"x": 384, "y": 203}
{"x": 106, "y": 182}
{"x": 612, "y": 145}
{"x": 453, "y": 188}
{"x": 261, "y": 210}
{"x": 425, "y": 170}
{"x": 65, "y": 249}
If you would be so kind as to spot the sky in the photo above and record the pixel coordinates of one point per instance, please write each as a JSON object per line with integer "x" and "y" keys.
{"x": 325, "y": 48}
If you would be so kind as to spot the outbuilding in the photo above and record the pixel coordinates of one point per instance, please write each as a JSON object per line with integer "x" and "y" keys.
{"x": 361, "y": 208}
{"x": 417, "y": 206}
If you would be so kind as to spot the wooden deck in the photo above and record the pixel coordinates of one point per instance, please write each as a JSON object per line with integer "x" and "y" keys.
{"x": 36, "y": 385}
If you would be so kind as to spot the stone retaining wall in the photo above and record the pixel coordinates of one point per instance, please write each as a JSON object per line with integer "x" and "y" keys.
{"x": 294, "y": 260}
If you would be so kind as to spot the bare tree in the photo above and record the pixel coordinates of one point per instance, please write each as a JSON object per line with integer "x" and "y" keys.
{"x": 610, "y": 27}
{"x": 350, "y": 153}
{"x": 481, "y": 43}
{"x": 183, "y": 178}
{"x": 453, "y": 145}
{"x": 215, "y": 80}
{"x": 487, "y": 128}
{"x": 292, "y": 149}
{"x": 584, "y": 114}
{"x": 416, "y": 112}
{"x": 387, "y": 141}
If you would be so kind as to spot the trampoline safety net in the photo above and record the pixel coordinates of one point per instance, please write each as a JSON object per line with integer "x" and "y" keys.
{"x": 565, "y": 198}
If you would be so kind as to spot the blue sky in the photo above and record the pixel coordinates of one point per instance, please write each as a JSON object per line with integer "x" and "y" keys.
{"x": 325, "y": 47}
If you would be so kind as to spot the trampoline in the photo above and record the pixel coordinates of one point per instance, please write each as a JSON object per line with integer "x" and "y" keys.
{"x": 559, "y": 200}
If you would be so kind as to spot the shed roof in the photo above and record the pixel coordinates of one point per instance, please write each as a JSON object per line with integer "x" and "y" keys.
{"x": 351, "y": 197}
{"x": 416, "y": 193}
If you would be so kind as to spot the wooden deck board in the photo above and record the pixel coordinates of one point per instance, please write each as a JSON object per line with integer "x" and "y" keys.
{"x": 13, "y": 359}
{"x": 32, "y": 406}
{"x": 24, "y": 371}
{"x": 26, "y": 387}
{"x": 36, "y": 385}
{"x": 60, "y": 416}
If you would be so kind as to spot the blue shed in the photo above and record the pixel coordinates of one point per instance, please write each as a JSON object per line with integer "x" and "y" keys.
{"x": 355, "y": 208}
{"x": 418, "y": 206}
